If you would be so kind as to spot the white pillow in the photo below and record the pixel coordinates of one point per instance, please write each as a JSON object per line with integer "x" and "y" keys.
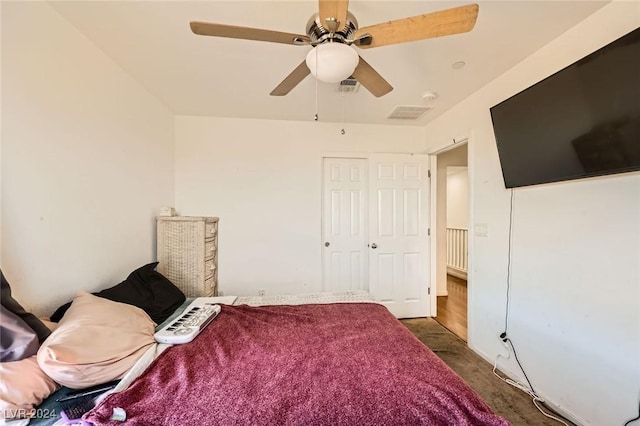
{"x": 96, "y": 341}
{"x": 23, "y": 387}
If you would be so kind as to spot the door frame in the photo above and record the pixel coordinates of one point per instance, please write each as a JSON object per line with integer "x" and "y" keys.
{"x": 433, "y": 153}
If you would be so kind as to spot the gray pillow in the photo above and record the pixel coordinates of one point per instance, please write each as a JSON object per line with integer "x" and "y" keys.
{"x": 17, "y": 339}
{"x": 12, "y": 304}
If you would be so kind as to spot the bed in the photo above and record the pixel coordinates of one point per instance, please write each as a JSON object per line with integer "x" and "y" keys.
{"x": 319, "y": 359}
{"x": 305, "y": 364}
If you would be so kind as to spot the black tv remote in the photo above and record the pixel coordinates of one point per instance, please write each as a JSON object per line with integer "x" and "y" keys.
{"x": 74, "y": 410}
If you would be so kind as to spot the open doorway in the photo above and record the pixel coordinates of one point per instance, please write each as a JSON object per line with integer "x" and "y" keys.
{"x": 452, "y": 207}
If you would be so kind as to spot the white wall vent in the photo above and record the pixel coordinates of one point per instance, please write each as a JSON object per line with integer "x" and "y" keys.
{"x": 408, "y": 112}
{"x": 350, "y": 85}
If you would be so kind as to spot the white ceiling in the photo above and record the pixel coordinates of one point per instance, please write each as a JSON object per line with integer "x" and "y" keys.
{"x": 196, "y": 75}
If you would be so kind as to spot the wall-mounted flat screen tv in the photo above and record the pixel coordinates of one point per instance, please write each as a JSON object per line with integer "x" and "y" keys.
{"x": 579, "y": 122}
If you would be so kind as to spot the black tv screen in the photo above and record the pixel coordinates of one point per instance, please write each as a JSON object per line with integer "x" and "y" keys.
{"x": 579, "y": 122}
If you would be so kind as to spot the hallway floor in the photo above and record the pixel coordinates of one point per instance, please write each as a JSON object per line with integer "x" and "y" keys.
{"x": 452, "y": 309}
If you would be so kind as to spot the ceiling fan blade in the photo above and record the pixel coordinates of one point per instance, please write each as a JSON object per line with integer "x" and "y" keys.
{"x": 333, "y": 14}
{"x": 371, "y": 80}
{"x": 292, "y": 80}
{"x": 246, "y": 33}
{"x": 430, "y": 25}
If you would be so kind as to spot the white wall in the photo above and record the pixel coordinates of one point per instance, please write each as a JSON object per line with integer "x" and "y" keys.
{"x": 575, "y": 285}
{"x": 263, "y": 179}
{"x": 457, "y": 211}
{"x": 87, "y": 160}
{"x": 457, "y": 197}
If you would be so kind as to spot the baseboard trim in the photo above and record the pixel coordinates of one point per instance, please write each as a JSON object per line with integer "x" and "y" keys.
{"x": 512, "y": 375}
{"x": 457, "y": 273}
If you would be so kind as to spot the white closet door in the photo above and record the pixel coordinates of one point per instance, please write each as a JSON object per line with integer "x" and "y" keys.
{"x": 344, "y": 224}
{"x": 398, "y": 233}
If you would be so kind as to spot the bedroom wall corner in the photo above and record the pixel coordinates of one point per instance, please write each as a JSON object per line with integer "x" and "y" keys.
{"x": 263, "y": 178}
{"x": 575, "y": 284}
{"x": 87, "y": 161}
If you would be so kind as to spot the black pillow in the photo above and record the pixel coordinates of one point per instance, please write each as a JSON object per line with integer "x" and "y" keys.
{"x": 145, "y": 288}
{"x": 12, "y": 305}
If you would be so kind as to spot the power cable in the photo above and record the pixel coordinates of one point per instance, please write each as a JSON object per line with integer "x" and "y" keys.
{"x": 635, "y": 418}
{"x": 505, "y": 338}
{"x": 506, "y": 312}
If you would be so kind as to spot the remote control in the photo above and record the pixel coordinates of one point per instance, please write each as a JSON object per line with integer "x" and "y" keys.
{"x": 190, "y": 323}
{"x": 72, "y": 412}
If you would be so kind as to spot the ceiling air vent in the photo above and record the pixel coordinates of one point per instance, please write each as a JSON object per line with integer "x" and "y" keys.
{"x": 350, "y": 85}
{"x": 408, "y": 112}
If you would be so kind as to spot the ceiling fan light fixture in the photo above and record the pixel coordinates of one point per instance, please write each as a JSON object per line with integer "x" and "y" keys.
{"x": 332, "y": 62}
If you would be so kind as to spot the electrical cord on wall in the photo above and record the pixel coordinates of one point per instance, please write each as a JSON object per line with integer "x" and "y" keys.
{"x": 527, "y": 389}
{"x": 506, "y": 311}
{"x": 538, "y": 402}
{"x": 635, "y": 418}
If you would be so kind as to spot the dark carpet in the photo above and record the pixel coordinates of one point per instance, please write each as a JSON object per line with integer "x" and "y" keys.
{"x": 505, "y": 400}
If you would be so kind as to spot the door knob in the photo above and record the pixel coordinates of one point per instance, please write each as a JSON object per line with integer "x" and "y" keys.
{"x": 374, "y": 246}
{"x": 327, "y": 244}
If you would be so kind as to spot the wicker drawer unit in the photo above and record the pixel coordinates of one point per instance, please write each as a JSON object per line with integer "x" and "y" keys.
{"x": 188, "y": 253}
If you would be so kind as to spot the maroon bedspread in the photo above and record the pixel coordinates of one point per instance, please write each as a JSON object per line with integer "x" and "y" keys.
{"x": 338, "y": 364}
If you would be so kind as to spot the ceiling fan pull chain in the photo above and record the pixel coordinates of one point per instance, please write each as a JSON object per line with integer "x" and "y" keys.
{"x": 316, "y": 116}
{"x": 342, "y": 131}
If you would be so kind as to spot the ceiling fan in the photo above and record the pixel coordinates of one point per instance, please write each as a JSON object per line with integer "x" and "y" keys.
{"x": 334, "y": 30}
